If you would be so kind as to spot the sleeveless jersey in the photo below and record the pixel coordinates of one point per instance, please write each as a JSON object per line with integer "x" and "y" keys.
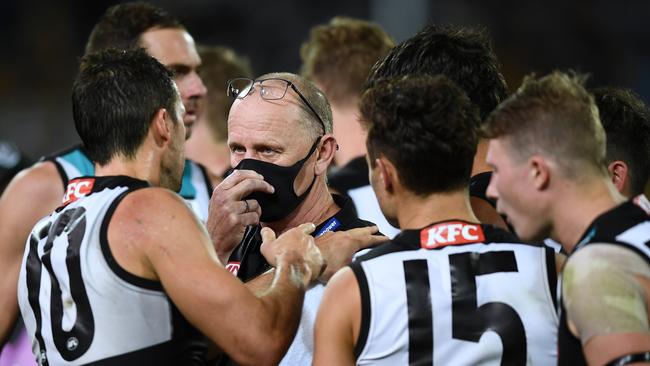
{"x": 79, "y": 306}
{"x": 627, "y": 225}
{"x": 456, "y": 293}
{"x": 196, "y": 188}
{"x": 352, "y": 180}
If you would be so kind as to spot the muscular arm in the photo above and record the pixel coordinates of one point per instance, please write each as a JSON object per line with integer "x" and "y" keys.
{"x": 154, "y": 235}
{"x": 605, "y": 294}
{"x": 338, "y": 322}
{"x": 32, "y": 194}
{"x": 337, "y": 249}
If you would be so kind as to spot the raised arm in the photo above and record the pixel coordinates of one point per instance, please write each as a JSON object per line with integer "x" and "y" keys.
{"x": 605, "y": 293}
{"x": 32, "y": 194}
{"x": 154, "y": 235}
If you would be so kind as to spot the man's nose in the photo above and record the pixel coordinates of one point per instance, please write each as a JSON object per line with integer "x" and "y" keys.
{"x": 194, "y": 86}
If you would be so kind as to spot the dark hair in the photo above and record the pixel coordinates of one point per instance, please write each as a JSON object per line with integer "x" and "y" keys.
{"x": 426, "y": 126}
{"x": 218, "y": 65}
{"x": 626, "y": 120}
{"x": 555, "y": 116}
{"x": 122, "y": 25}
{"x": 464, "y": 55}
{"x": 339, "y": 55}
{"x": 114, "y": 98}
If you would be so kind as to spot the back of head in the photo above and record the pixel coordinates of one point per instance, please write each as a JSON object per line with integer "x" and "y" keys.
{"x": 338, "y": 56}
{"x": 426, "y": 126}
{"x": 220, "y": 64}
{"x": 114, "y": 98}
{"x": 626, "y": 120}
{"x": 464, "y": 55}
{"x": 314, "y": 97}
{"x": 121, "y": 26}
{"x": 556, "y": 117}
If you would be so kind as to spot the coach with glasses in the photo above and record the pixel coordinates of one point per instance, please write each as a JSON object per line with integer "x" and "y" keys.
{"x": 281, "y": 145}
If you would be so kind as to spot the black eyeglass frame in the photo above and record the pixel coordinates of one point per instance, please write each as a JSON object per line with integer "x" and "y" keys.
{"x": 235, "y": 93}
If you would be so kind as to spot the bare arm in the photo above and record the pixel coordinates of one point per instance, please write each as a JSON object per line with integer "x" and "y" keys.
{"x": 338, "y": 322}
{"x": 337, "y": 249}
{"x": 606, "y": 299}
{"x": 173, "y": 247}
{"x": 32, "y": 194}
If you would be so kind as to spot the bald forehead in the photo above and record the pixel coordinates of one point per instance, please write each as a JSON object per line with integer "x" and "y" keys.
{"x": 171, "y": 46}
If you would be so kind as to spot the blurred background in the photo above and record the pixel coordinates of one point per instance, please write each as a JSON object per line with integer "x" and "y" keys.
{"x": 43, "y": 40}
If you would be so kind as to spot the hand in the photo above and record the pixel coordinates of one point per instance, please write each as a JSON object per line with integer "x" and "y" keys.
{"x": 292, "y": 245}
{"x": 339, "y": 247}
{"x": 230, "y": 214}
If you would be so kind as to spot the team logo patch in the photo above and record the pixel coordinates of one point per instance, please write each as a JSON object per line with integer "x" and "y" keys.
{"x": 233, "y": 267}
{"x": 450, "y": 233}
{"x": 78, "y": 188}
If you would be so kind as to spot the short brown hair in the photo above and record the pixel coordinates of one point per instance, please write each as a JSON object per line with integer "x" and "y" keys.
{"x": 555, "y": 116}
{"x": 218, "y": 65}
{"x": 338, "y": 56}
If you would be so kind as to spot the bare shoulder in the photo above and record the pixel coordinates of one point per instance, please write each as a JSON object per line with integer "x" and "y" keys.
{"x": 603, "y": 257}
{"x": 36, "y": 183}
{"x": 32, "y": 194}
{"x": 343, "y": 285}
{"x": 153, "y": 212}
{"x": 150, "y": 224}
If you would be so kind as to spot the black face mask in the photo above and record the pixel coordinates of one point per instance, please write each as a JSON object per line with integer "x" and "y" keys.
{"x": 284, "y": 200}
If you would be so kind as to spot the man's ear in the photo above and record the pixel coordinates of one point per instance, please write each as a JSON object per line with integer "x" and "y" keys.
{"x": 388, "y": 177}
{"x": 618, "y": 172}
{"x": 539, "y": 172}
{"x": 160, "y": 127}
{"x": 325, "y": 154}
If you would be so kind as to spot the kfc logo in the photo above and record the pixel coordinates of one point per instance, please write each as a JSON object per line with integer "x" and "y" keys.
{"x": 77, "y": 188}
{"x": 450, "y": 233}
{"x": 233, "y": 267}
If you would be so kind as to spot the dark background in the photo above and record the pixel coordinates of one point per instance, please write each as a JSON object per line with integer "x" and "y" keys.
{"x": 42, "y": 41}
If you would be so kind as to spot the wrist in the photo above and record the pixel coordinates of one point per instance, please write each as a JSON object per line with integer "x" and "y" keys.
{"x": 296, "y": 267}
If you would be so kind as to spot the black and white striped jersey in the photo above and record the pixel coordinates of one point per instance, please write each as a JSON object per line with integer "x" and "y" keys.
{"x": 457, "y": 293}
{"x": 627, "y": 225}
{"x": 79, "y": 306}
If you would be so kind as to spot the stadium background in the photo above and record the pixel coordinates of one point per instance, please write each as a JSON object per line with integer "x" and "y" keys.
{"x": 43, "y": 40}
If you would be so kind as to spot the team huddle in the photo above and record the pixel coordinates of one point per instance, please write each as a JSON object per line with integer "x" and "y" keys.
{"x": 390, "y": 205}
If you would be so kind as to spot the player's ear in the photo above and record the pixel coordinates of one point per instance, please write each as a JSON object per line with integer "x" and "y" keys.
{"x": 160, "y": 127}
{"x": 387, "y": 174}
{"x": 618, "y": 171}
{"x": 539, "y": 172}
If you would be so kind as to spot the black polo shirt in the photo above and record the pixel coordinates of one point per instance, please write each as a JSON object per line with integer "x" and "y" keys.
{"x": 247, "y": 262}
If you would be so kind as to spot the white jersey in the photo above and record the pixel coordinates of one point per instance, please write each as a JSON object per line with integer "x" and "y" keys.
{"x": 79, "y": 306}
{"x": 457, "y": 293}
{"x": 196, "y": 188}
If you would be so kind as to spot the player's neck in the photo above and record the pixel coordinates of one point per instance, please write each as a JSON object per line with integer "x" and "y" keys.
{"x": 578, "y": 206}
{"x": 415, "y": 212}
{"x": 349, "y": 134}
{"x": 480, "y": 165}
{"x": 317, "y": 207}
{"x": 143, "y": 169}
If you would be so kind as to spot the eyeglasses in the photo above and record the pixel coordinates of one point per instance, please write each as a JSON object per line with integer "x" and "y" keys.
{"x": 270, "y": 89}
